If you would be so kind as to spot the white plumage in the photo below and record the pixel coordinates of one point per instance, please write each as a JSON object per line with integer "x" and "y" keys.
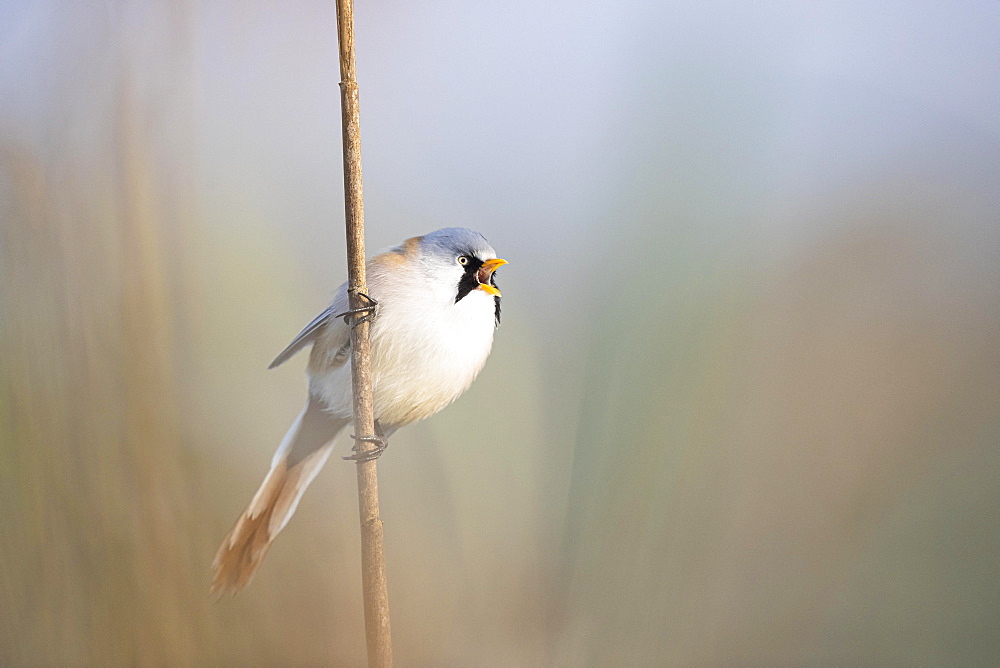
{"x": 426, "y": 349}
{"x": 432, "y": 332}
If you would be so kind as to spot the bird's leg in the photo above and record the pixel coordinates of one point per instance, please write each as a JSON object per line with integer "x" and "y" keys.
{"x": 380, "y": 441}
{"x": 369, "y": 309}
{"x": 368, "y": 455}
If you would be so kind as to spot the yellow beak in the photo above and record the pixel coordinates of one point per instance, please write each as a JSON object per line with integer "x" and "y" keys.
{"x": 484, "y": 274}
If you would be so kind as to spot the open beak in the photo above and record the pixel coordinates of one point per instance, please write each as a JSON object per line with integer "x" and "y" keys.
{"x": 485, "y": 274}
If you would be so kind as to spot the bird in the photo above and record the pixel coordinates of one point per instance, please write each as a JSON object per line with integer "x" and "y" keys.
{"x": 434, "y": 305}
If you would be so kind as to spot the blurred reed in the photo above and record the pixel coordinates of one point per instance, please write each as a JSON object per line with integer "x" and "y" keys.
{"x": 745, "y": 412}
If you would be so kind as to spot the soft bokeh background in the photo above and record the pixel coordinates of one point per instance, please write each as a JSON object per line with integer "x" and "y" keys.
{"x": 743, "y": 407}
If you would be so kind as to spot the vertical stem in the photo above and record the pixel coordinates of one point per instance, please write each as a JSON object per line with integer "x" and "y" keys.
{"x": 373, "y": 577}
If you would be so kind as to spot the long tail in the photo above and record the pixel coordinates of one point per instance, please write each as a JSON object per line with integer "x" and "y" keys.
{"x": 302, "y": 453}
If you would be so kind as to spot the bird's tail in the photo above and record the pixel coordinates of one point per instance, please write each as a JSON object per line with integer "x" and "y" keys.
{"x": 300, "y": 457}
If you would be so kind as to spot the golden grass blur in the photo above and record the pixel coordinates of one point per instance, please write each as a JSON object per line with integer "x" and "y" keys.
{"x": 761, "y": 428}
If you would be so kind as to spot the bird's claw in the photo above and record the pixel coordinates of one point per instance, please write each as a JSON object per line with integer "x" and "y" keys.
{"x": 368, "y": 455}
{"x": 369, "y": 309}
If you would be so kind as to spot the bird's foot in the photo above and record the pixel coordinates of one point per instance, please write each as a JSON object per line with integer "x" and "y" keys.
{"x": 369, "y": 309}
{"x": 368, "y": 455}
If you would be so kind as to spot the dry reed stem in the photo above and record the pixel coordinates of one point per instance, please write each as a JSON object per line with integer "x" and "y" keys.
{"x": 373, "y": 577}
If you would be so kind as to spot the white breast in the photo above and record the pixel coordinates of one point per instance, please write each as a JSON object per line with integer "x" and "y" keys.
{"x": 426, "y": 348}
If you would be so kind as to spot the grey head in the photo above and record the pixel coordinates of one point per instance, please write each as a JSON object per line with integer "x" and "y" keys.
{"x": 469, "y": 256}
{"x": 452, "y": 242}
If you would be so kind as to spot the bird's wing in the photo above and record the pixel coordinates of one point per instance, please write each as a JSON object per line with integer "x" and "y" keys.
{"x": 334, "y": 330}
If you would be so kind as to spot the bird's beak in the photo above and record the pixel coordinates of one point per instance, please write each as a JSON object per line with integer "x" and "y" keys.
{"x": 486, "y": 272}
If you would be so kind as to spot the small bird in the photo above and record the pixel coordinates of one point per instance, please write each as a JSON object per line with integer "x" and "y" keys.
{"x": 435, "y": 304}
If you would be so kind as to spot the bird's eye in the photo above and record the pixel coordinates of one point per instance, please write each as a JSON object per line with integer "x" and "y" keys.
{"x": 463, "y": 260}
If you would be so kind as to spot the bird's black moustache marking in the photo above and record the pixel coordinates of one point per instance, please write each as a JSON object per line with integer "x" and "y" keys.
{"x": 466, "y": 284}
{"x": 496, "y": 322}
{"x": 470, "y": 282}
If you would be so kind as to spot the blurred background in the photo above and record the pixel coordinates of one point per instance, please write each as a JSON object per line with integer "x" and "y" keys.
{"x": 743, "y": 406}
